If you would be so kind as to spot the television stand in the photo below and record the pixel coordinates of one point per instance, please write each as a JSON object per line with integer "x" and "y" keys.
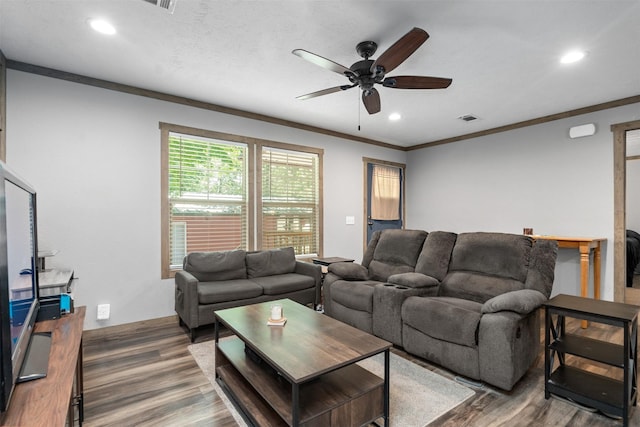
{"x": 58, "y": 398}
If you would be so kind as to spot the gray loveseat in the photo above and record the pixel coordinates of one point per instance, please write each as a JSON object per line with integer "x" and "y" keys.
{"x": 212, "y": 281}
{"x": 468, "y": 302}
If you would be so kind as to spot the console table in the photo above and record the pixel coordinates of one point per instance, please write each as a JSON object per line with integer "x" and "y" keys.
{"x": 54, "y": 399}
{"x": 585, "y": 245}
{"x": 609, "y": 395}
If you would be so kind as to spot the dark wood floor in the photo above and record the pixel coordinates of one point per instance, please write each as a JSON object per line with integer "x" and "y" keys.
{"x": 143, "y": 375}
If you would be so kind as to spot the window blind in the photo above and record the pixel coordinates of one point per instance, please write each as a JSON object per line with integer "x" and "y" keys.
{"x": 290, "y": 200}
{"x": 207, "y": 195}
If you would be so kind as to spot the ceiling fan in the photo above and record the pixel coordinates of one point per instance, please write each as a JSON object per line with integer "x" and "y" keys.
{"x": 368, "y": 72}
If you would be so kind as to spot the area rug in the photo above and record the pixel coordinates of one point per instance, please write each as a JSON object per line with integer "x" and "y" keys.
{"x": 417, "y": 396}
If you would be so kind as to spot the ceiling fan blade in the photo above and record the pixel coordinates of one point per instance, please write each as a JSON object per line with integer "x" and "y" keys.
{"x": 371, "y": 101}
{"x": 325, "y": 92}
{"x": 400, "y": 50}
{"x": 416, "y": 82}
{"x": 320, "y": 61}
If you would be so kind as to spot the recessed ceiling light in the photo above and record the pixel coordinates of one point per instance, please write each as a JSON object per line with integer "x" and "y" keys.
{"x": 573, "y": 56}
{"x": 394, "y": 116}
{"x": 102, "y": 26}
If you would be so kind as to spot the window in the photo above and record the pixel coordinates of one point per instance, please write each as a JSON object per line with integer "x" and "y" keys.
{"x": 290, "y": 200}
{"x": 211, "y": 194}
{"x": 385, "y": 192}
{"x": 207, "y": 195}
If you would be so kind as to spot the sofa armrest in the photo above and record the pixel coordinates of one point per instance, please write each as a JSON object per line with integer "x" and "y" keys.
{"x": 413, "y": 280}
{"x": 349, "y": 271}
{"x": 186, "y": 298}
{"x": 312, "y": 270}
{"x": 523, "y": 301}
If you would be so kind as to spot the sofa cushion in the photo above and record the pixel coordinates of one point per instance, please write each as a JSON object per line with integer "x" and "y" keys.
{"x": 436, "y": 254}
{"x": 210, "y": 266}
{"x": 494, "y": 254}
{"x": 400, "y": 247}
{"x": 227, "y": 290}
{"x": 381, "y": 271}
{"x": 476, "y": 287}
{"x": 271, "y": 262}
{"x": 448, "y": 319}
{"x": 348, "y": 270}
{"x": 413, "y": 280}
{"x": 354, "y": 295}
{"x": 542, "y": 266}
{"x": 283, "y": 283}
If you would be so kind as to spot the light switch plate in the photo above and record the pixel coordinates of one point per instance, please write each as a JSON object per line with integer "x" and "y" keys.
{"x": 351, "y": 220}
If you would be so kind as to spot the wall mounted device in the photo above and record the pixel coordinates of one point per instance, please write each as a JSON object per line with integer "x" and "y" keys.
{"x": 582, "y": 130}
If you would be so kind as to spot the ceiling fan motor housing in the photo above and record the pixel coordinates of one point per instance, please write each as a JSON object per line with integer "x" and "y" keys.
{"x": 366, "y": 49}
{"x": 362, "y": 75}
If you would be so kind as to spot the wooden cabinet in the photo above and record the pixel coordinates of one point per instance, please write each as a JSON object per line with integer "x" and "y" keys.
{"x": 609, "y": 395}
{"x": 58, "y": 398}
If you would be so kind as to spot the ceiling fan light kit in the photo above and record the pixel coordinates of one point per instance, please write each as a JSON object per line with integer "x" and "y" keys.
{"x": 368, "y": 72}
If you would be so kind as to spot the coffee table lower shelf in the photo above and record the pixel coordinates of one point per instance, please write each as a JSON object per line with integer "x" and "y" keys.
{"x": 350, "y": 395}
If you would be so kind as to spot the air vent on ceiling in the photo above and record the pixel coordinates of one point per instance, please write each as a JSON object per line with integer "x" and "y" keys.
{"x": 170, "y": 5}
{"x": 468, "y": 118}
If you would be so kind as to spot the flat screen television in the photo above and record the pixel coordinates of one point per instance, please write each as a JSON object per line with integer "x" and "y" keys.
{"x": 19, "y": 299}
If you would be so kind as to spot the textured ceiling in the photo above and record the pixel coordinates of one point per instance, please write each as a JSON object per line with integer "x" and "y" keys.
{"x": 503, "y": 56}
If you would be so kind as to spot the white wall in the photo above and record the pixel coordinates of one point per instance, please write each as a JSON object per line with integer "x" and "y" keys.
{"x": 93, "y": 155}
{"x": 532, "y": 177}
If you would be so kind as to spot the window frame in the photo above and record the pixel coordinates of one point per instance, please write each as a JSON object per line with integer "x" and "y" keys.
{"x": 254, "y": 192}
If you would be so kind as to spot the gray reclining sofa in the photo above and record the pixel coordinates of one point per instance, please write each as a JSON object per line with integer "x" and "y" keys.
{"x": 212, "y": 281}
{"x": 468, "y": 302}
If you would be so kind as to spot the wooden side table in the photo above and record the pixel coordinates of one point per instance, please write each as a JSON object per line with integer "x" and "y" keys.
{"x": 609, "y": 395}
{"x": 584, "y": 245}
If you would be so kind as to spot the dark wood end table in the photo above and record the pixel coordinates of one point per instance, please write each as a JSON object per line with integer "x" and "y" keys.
{"x": 611, "y": 396}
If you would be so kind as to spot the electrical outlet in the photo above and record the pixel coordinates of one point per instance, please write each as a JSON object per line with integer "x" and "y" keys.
{"x": 103, "y": 311}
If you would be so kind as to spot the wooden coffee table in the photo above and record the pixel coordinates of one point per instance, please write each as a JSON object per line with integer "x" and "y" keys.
{"x": 300, "y": 374}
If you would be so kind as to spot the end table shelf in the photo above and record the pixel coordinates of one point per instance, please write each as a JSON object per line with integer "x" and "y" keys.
{"x": 609, "y": 395}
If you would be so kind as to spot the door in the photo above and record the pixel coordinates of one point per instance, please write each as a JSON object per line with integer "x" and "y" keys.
{"x": 623, "y": 134}
{"x": 384, "y": 204}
